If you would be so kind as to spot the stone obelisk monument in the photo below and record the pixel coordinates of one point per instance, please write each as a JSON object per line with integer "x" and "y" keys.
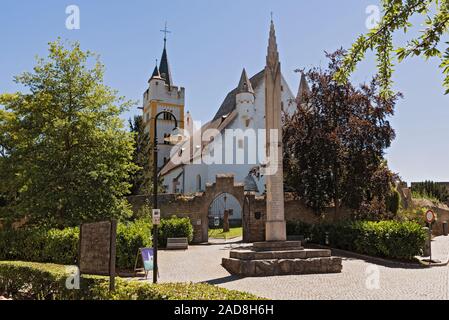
{"x": 277, "y": 256}
{"x": 275, "y": 225}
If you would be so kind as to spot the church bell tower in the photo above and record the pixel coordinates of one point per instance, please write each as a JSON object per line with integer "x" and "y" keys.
{"x": 162, "y": 95}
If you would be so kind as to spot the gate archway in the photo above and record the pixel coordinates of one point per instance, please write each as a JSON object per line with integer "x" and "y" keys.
{"x": 214, "y": 193}
{"x": 225, "y": 202}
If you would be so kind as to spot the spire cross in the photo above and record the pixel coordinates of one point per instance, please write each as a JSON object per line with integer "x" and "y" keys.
{"x": 271, "y": 13}
{"x": 165, "y": 32}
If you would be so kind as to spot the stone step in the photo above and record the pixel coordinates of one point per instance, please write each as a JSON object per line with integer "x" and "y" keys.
{"x": 278, "y": 246}
{"x": 265, "y": 268}
{"x": 271, "y": 255}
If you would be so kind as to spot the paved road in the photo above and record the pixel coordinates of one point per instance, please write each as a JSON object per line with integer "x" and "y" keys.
{"x": 357, "y": 281}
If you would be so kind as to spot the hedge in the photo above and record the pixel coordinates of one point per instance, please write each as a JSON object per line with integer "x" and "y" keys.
{"x": 25, "y": 280}
{"x": 175, "y": 228}
{"x": 389, "y": 239}
{"x": 61, "y": 246}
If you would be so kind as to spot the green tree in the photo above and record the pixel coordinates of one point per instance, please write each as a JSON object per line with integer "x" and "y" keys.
{"x": 66, "y": 155}
{"x": 141, "y": 180}
{"x": 397, "y": 15}
{"x": 335, "y": 142}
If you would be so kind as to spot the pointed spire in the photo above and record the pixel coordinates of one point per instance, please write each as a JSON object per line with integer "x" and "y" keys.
{"x": 303, "y": 89}
{"x": 273, "y": 54}
{"x": 164, "y": 68}
{"x": 245, "y": 84}
{"x": 156, "y": 73}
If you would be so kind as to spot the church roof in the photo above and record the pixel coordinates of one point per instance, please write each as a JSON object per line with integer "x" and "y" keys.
{"x": 229, "y": 104}
{"x": 245, "y": 84}
{"x": 303, "y": 89}
{"x": 164, "y": 68}
{"x": 250, "y": 184}
{"x": 156, "y": 73}
{"x": 218, "y": 124}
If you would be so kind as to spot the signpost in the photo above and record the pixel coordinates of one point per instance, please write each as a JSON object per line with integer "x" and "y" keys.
{"x": 97, "y": 249}
{"x": 156, "y": 223}
{"x": 430, "y": 218}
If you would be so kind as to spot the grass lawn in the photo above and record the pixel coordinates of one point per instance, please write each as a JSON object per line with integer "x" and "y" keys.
{"x": 218, "y": 233}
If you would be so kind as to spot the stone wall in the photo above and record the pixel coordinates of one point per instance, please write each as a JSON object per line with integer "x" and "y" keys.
{"x": 196, "y": 208}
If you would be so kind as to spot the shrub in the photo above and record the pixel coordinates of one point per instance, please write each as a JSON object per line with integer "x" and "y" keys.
{"x": 390, "y": 239}
{"x": 130, "y": 238}
{"x": 175, "y": 228}
{"x": 61, "y": 246}
{"x": 25, "y": 280}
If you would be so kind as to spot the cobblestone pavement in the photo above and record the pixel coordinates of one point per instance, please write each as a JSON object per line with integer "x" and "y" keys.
{"x": 202, "y": 264}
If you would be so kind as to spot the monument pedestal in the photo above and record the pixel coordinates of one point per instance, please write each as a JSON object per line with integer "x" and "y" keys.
{"x": 276, "y": 231}
{"x": 280, "y": 258}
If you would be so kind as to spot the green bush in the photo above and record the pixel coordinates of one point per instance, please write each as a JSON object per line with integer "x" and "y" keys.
{"x": 175, "y": 228}
{"x": 390, "y": 239}
{"x": 25, "y": 280}
{"x": 61, "y": 246}
{"x": 130, "y": 238}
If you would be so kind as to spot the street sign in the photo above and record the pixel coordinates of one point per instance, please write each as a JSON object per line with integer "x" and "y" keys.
{"x": 430, "y": 216}
{"x": 156, "y": 217}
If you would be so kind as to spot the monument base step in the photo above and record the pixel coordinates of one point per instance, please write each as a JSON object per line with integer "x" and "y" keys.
{"x": 275, "y": 267}
{"x": 278, "y": 246}
{"x": 272, "y": 255}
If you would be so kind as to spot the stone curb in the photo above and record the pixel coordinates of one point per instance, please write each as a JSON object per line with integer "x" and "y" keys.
{"x": 360, "y": 256}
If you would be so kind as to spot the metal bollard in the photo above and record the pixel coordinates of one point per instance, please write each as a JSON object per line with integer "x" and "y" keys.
{"x": 428, "y": 243}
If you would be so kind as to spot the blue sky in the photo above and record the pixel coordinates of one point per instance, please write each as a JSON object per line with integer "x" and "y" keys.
{"x": 213, "y": 40}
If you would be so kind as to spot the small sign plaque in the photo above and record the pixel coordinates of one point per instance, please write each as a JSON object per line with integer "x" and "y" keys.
{"x": 156, "y": 217}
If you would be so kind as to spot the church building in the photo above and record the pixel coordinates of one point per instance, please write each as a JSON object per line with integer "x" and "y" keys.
{"x": 243, "y": 110}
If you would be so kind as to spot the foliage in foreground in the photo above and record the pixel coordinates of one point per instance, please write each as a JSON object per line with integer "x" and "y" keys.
{"x": 389, "y": 239}
{"x": 397, "y": 17}
{"x": 25, "y": 280}
{"x": 65, "y": 152}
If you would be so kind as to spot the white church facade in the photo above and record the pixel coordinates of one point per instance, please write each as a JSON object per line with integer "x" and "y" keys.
{"x": 241, "y": 114}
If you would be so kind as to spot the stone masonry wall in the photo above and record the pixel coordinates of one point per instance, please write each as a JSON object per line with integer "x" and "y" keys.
{"x": 196, "y": 208}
